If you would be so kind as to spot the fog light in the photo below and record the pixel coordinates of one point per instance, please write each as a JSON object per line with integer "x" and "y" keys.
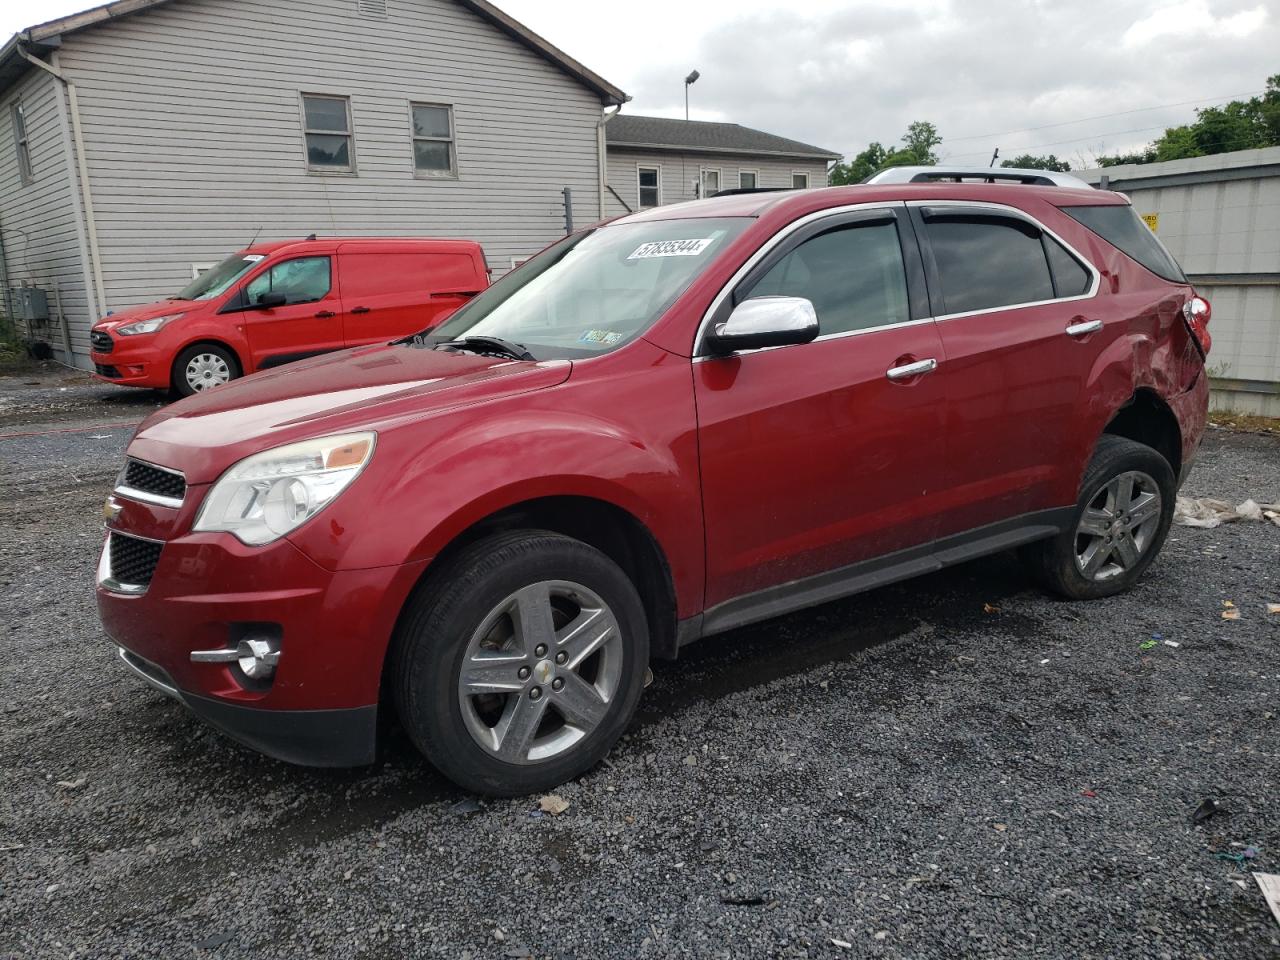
{"x": 258, "y": 658}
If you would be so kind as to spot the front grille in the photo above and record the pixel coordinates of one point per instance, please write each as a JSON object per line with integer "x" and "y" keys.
{"x": 101, "y": 341}
{"x": 145, "y": 478}
{"x": 133, "y": 561}
{"x": 107, "y": 371}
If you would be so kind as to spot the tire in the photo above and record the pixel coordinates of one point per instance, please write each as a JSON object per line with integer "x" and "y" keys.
{"x": 1081, "y": 563}
{"x": 201, "y": 367}
{"x": 484, "y": 605}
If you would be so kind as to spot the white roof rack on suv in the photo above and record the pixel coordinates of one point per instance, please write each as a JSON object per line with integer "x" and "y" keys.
{"x": 1038, "y": 178}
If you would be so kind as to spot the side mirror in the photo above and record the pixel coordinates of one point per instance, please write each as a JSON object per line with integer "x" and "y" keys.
{"x": 765, "y": 322}
{"x": 273, "y": 299}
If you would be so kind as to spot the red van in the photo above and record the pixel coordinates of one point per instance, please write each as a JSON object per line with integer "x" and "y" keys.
{"x": 279, "y": 302}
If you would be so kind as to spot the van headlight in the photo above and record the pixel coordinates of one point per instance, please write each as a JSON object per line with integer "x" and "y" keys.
{"x": 147, "y": 326}
{"x": 270, "y": 494}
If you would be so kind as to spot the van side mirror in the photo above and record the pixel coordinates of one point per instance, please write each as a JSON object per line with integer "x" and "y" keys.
{"x": 765, "y": 322}
{"x": 271, "y": 299}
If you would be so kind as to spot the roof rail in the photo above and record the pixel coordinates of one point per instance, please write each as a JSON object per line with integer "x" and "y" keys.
{"x": 740, "y": 191}
{"x": 1037, "y": 178}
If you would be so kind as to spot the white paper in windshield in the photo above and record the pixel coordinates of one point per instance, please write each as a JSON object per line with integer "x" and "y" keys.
{"x": 671, "y": 248}
{"x": 254, "y": 257}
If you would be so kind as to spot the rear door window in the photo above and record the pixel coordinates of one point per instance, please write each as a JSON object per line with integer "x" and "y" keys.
{"x": 985, "y": 262}
{"x": 1121, "y": 227}
{"x": 1070, "y": 278}
{"x": 853, "y": 275}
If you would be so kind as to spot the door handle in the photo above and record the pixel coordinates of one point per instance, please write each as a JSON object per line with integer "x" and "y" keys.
{"x": 325, "y": 314}
{"x": 1084, "y": 329}
{"x": 361, "y": 309}
{"x": 907, "y": 371}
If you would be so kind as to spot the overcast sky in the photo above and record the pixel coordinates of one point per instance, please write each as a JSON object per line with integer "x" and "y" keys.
{"x": 841, "y": 73}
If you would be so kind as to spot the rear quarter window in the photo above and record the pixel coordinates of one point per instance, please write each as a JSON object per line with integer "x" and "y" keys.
{"x": 1121, "y": 227}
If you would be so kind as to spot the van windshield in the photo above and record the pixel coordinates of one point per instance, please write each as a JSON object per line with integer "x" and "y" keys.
{"x": 217, "y": 280}
{"x": 593, "y": 292}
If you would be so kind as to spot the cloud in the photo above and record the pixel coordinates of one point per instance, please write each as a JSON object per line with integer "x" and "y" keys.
{"x": 1190, "y": 19}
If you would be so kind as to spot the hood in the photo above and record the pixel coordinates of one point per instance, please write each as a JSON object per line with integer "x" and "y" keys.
{"x": 359, "y": 389}
{"x": 147, "y": 311}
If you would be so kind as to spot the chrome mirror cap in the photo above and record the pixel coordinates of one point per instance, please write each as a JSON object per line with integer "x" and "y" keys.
{"x": 765, "y": 322}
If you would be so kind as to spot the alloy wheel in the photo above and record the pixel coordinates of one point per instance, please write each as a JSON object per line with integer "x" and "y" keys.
{"x": 541, "y": 672}
{"x": 207, "y": 370}
{"x": 1118, "y": 526}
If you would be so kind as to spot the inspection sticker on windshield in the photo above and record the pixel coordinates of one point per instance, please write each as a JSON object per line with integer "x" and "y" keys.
{"x": 671, "y": 248}
{"x": 606, "y": 337}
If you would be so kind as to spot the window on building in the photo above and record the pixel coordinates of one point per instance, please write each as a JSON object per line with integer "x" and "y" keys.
{"x": 304, "y": 280}
{"x": 433, "y": 152}
{"x": 327, "y": 126}
{"x": 747, "y": 179}
{"x": 853, "y": 275}
{"x": 799, "y": 181}
{"x": 988, "y": 262}
{"x": 650, "y": 185}
{"x": 710, "y": 182}
{"x": 20, "y": 144}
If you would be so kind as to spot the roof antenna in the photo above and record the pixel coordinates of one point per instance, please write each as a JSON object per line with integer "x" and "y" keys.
{"x": 255, "y": 238}
{"x": 311, "y": 236}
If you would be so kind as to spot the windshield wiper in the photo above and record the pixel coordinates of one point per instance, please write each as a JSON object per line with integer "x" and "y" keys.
{"x": 489, "y": 346}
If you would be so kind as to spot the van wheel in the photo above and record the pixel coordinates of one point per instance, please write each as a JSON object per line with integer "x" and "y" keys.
{"x": 1120, "y": 523}
{"x": 203, "y": 367}
{"x": 519, "y": 664}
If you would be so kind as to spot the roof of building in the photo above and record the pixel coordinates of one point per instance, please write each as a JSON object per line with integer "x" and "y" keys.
{"x": 661, "y": 133}
{"x": 46, "y": 37}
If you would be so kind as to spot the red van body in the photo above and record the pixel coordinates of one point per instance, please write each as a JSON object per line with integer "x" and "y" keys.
{"x": 336, "y": 293}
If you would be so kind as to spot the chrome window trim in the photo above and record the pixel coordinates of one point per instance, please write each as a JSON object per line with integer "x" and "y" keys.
{"x": 792, "y": 227}
{"x": 128, "y": 658}
{"x": 1006, "y": 210}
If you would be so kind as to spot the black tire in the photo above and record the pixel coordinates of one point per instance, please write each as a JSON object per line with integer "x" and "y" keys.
{"x": 438, "y": 625}
{"x": 180, "y": 386}
{"x": 1054, "y": 562}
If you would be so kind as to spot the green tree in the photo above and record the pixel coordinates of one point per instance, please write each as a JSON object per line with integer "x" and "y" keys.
{"x": 921, "y": 138}
{"x": 1238, "y": 125}
{"x": 1032, "y": 162}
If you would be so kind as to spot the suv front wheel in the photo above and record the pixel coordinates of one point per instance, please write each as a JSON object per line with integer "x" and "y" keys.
{"x": 1120, "y": 523}
{"x": 520, "y": 662}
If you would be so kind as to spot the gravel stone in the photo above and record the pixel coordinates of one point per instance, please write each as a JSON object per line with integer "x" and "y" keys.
{"x": 859, "y": 760}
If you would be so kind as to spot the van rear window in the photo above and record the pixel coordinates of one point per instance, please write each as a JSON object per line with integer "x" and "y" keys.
{"x": 1122, "y": 228}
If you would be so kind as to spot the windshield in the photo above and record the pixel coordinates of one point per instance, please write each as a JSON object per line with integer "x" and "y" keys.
{"x": 592, "y": 293}
{"x": 215, "y": 282}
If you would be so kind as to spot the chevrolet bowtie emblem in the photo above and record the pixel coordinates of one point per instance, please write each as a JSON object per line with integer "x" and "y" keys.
{"x": 111, "y": 509}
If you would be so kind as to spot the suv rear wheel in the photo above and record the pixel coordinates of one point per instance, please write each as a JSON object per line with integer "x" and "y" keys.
{"x": 1121, "y": 521}
{"x": 520, "y": 662}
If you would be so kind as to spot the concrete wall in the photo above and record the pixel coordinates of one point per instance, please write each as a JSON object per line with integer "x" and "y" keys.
{"x": 1220, "y": 216}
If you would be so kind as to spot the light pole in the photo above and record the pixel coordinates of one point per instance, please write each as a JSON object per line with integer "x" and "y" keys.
{"x": 689, "y": 81}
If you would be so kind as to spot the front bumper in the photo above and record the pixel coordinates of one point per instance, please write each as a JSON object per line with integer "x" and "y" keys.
{"x": 320, "y": 707}
{"x": 312, "y": 738}
{"x": 131, "y": 364}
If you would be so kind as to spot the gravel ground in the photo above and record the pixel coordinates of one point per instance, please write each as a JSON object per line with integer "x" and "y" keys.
{"x": 902, "y": 774}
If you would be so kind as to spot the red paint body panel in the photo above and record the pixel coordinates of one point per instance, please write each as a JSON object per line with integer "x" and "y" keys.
{"x": 748, "y": 471}
{"x": 403, "y": 286}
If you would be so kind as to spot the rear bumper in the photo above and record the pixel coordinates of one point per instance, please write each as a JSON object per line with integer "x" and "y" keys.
{"x": 313, "y": 738}
{"x": 1191, "y": 408}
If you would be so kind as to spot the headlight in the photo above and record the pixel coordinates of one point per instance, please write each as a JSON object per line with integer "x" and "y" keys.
{"x": 146, "y": 326}
{"x": 265, "y": 496}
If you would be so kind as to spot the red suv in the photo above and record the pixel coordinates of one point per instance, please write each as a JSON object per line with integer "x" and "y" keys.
{"x": 689, "y": 419}
{"x": 279, "y": 302}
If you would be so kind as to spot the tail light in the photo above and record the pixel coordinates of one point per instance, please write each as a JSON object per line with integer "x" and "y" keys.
{"x": 1196, "y": 312}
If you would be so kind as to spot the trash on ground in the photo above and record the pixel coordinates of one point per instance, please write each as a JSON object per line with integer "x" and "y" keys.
{"x": 1248, "y": 853}
{"x": 845, "y": 945}
{"x": 1088, "y": 793}
{"x": 553, "y": 804}
{"x": 1207, "y": 513}
{"x": 745, "y": 900}
{"x": 1269, "y": 884}
{"x": 1273, "y": 608}
{"x": 1230, "y": 614}
{"x": 990, "y": 608}
{"x": 469, "y": 805}
{"x": 1208, "y": 808}
{"x": 1148, "y": 644}
{"x": 72, "y": 784}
